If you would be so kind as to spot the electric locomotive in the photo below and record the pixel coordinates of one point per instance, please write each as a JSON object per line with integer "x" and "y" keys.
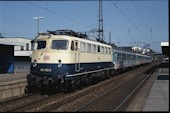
{"x": 65, "y": 58}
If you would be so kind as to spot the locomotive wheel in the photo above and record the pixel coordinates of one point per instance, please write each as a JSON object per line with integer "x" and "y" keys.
{"x": 86, "y": 80}
{"x": 65, "y": 85}
{"x": 112, "y": 72}
{"x": 107, "y": 74}
{"x": 30, "y": 89}
{"x": 77, "y": 82}
{"x": 27, "y": 90}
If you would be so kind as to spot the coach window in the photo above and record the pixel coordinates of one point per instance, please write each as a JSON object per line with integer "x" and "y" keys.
{"x": 83, "y": 47}
{"x": 124, "y": 56}
{"x": 102, "y": 50}
{"x": 131, "y": 57}
{"x": 117, "y": 56}
{"x": 98, "y": 49}
{"x": 88, "y": 48}
{"x": 93, "y": 49}
{"x": 106, "y": 50}
{"x": 137, "y": 58}
{"x": 59, "y": 44}
{"x": 109, "y": 50}
{"x": 120, "y": 56}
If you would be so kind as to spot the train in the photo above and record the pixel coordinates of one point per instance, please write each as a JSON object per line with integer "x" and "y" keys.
{"x": 65, "y": 59}
{"x": 124, "y": 59}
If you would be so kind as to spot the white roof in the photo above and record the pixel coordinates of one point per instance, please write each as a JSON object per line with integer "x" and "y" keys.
{"x": 164, "y": 43}
{"x": 7, "y": 42}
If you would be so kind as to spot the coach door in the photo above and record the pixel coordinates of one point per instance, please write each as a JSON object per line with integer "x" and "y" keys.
{"x": 77, "y": 56}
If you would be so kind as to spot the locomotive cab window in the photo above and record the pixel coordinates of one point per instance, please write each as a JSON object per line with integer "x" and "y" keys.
{"x": 40, "y": 45}
{"x": 59, "y": 44}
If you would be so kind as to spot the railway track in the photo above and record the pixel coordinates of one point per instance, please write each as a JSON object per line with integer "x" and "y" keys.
{"x": 75, "y": 100}
{"x": 72, "y": 101}
{"x": 20, "y": 102}
{"x": 115, "y": 99}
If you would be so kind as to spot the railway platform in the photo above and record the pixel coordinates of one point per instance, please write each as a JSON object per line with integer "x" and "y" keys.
{"x": 158, "y": 99}
{"x": 13, "y": 77}
{"x": 154, "y": 94}
{"x": 12, "y": 84}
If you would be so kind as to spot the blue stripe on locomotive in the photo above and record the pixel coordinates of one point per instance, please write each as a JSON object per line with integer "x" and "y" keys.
{"x": 66, "y": 69}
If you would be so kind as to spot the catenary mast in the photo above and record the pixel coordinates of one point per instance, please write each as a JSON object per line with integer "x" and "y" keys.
{"x": 100, "y": 29}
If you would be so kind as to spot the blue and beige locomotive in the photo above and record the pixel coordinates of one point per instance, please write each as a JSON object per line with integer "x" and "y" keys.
{"x": 65, "y": 59}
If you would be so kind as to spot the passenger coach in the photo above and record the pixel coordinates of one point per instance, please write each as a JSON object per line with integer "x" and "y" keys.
{"x": 125, "y": 59}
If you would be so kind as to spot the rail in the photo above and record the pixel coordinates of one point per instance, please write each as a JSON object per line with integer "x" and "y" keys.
{"x": 117, "y": 97}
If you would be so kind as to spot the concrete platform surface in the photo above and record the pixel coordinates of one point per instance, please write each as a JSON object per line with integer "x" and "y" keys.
{"x": 13, "y": 77}
{"x": 153, "y": 96}
{"x": 158, "y": 99}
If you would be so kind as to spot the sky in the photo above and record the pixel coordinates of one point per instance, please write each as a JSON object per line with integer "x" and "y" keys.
{"x": 130, "y": 22}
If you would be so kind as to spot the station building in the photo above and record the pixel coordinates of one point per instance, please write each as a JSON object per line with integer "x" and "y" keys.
{"x": 20, "y": 49}
{"x": 7, "y": 55}
{"x": 165, "y": 48}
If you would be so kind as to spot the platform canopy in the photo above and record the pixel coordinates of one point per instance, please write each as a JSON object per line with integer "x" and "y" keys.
{"x": 4, "y": 41}
{"x": 165, "y": 48}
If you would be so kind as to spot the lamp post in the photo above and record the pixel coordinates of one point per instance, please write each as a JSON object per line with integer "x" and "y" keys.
{"x": 38, "y": 18}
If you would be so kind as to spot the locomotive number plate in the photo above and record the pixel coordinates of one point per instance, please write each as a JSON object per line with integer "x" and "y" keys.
{"x": 45, "y": 70}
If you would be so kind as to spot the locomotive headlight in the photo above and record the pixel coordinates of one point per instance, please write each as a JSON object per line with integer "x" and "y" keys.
{"x": 34, "y": 63}
{"x": 59, "y": 63}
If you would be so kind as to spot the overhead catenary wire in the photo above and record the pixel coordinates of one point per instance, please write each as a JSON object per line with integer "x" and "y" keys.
{"x": 68, "y": 18}
{"x": 58, "y": 14}
{"x": 17, "y": 22}
{"x": 136, "y": 9}
{"x": 106, "y": 21}
{"x": 145, "y": 36}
